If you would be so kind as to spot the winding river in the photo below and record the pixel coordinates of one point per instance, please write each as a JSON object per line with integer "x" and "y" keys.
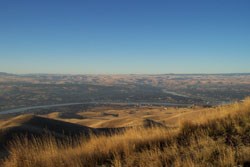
{"x": 26, "y": 109}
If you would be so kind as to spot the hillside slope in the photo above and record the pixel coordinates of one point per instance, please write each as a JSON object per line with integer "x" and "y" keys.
{"x": 219, "y": 139}
{"x": 31, "y": 126}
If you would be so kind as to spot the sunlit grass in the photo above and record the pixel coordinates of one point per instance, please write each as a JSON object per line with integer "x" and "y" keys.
{"x": 217, "y": 137}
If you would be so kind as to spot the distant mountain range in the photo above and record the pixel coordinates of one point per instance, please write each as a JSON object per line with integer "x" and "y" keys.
{"x": 6, "y": 74}
{"x": 179, "y": 74}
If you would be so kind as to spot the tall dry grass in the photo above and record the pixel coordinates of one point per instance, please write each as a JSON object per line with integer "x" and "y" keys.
{"x": 220, "y": 137}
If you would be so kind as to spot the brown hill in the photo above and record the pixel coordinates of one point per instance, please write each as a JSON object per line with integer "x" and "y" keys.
{"x": 36, "y": 126}
{"x": 216, "y": 137}
{"x": 30, "y": 125}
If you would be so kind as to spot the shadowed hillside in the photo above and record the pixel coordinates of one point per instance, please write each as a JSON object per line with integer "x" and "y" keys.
{"x": 34, "y": 126}
{"x": 219, "y": 139}
{"x": 31, "y": 126}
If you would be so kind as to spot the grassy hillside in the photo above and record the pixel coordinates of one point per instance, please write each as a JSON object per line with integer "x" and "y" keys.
{"x": 220, "y": 137}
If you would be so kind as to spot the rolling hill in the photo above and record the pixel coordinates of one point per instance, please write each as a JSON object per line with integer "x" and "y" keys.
{"x": 219, "y": 137}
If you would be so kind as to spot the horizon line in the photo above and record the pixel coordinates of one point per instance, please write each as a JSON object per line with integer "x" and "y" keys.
{"x": 223, "y": 73}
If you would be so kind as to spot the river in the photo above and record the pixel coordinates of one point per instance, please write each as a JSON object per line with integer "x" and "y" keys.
{"x": 26, "y": 109}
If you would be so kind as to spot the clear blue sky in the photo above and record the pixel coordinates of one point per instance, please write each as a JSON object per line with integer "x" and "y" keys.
{"x": 124, "y": 36}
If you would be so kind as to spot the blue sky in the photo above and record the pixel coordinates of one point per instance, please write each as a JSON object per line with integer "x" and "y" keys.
{"x": 125, "y": 36}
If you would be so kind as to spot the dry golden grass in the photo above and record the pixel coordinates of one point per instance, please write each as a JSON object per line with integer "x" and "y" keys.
{"x": 127, "y": 116}
{"x": 1, "y": 122}
{"x": 135, "y": 116}
{"x": 217, "y": 137}
{"x": 48, "y": 152}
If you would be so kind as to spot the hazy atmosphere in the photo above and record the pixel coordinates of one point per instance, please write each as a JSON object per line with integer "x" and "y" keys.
{"x": 124, "y": 83}
{"x": 132, "y": 36}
